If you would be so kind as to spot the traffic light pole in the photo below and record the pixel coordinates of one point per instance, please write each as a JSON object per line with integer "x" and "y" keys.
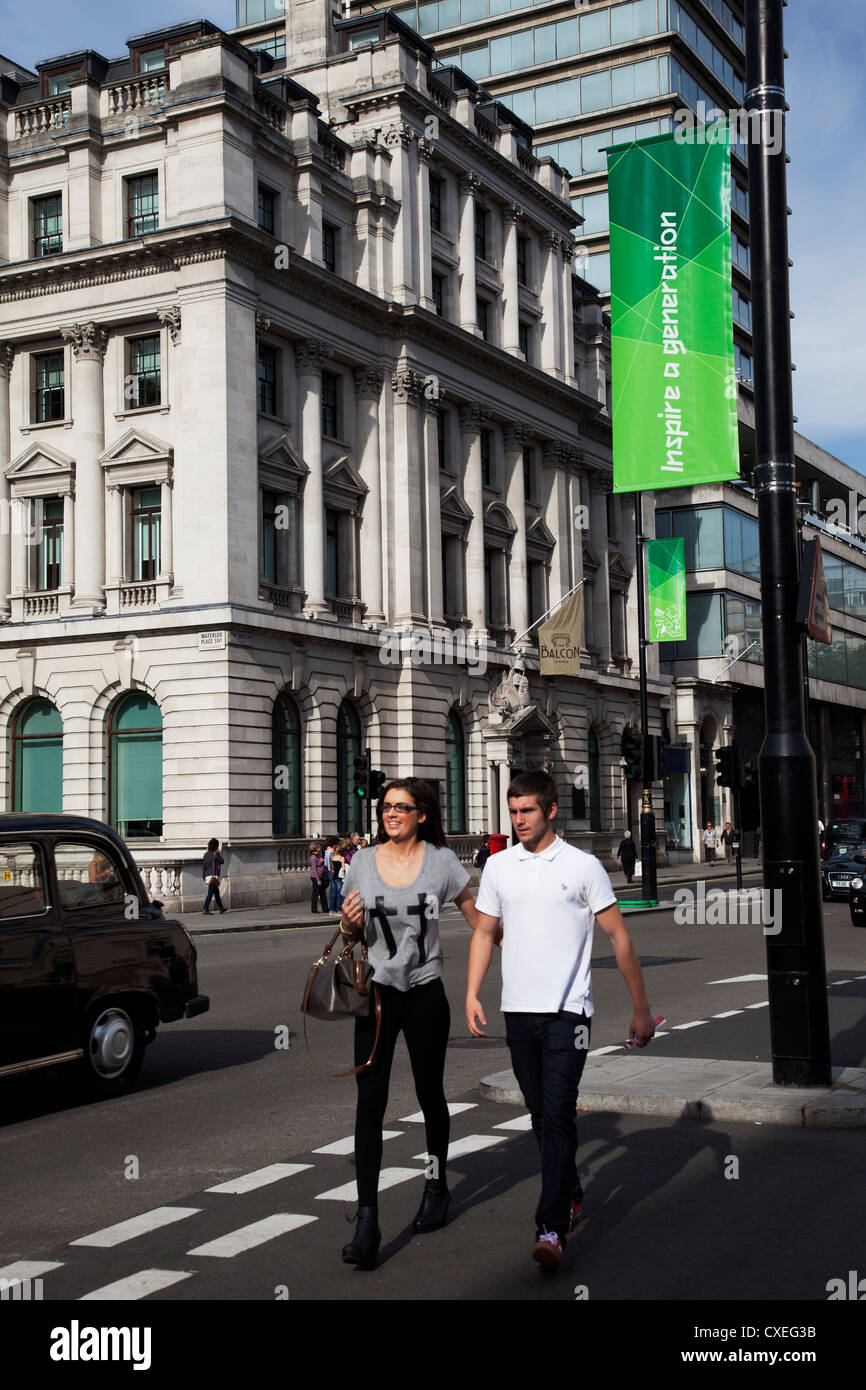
{"x": 649, "y": 878}
{"x": 797, "y": 983}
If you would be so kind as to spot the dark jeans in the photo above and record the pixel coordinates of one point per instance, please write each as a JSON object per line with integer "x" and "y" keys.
{"x": 318, "y": 894}
{"x": 336, "y": 894}
{"x": 548, "y": 1066}
{"x": 425, "y": 1018}
{"x": 213, "y": 892}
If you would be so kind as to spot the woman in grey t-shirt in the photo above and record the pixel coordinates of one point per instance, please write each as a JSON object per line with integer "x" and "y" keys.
{"x": 393, "y": 892}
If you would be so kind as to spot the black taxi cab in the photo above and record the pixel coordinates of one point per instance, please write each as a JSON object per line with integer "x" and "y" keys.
{"x": 89, "y": 967}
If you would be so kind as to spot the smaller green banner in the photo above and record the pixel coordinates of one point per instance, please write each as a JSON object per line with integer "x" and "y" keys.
{"x": 666, "y": 569}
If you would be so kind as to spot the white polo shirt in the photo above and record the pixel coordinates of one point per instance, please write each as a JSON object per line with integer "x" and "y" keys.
{"x": 548, "y": 903}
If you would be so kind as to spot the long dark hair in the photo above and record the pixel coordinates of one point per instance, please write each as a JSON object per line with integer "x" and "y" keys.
{"x": 426, "y": 800}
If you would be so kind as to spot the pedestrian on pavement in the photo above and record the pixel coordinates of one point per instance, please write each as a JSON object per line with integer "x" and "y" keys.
{"x": 547, "y": 895}
{"x": 710, "y": 841}
{"x": 393, "y": 893}
{"x": 318, "y": 879}
{"x": 728, "y": 838}
{"x": 211, "y": 869}
{"x": 627, "y": 855}
{"x": 482, "y": 854}
{"x": 335, "y": 863}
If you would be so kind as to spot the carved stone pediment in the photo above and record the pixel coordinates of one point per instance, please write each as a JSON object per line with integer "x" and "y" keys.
{"x": 137, "y": 457}
{"x": 341, "y": 474}
{"x": 42, "y": 465}
{"x": 281, "y": 466}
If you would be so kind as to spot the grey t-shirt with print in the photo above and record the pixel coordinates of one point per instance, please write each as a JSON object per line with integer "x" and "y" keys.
{"x": 401, "y": 925}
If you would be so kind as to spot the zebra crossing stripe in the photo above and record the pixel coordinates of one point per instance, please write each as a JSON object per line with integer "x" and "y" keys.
{"x": 389, "y": 1177}
{"x": 135, "y": 1286}
{"x": 347, "y": 1145}
{"x": 136, "y": 1226}
{"x": 470, "y": 1144}
{"x": 248, "y": 1237}
{"x": 248, "y": 1182}
{"x": 28, "y": 1269}
{"x": 455, "y": 1107}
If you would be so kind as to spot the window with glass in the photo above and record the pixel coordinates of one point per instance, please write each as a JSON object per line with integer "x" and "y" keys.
{"x": 143, "y": 204}
{"x": 486, "y": 458}
{"x": 438, "y": 287}
{"x": 594, "y": 769}
{"x": 740, "y": 253}
{"x": 50, "y": 575}
{"x": 455, "y": 775}
{"x": 482, "y": 318}
{"x": 151, "y": 61}
{"x": 350, "y": 809}
{"x": 522, "y": 249}
{"x": 739, "y": 199}
{"x": 523, "y": 340}
{"x": 48, "y": 396}
{"x": 329, "y": 405}
{"x": 48, "y": 225}
{"x": 741, "y": 543}
{"x": 22, "y": 889}
{"x": 704, "y": 625}
{"x": 270, "y": 502}
{"x": 146, "y": 523}
{"x": 743, "y": 365}
{"x": 252, "y": 11}
{"x": 135, "y": 766}
{"x": 88, "y": 876}
{"x": 286, "y": 755}
{"x": 743, "y": 629}
{"x": 266, "y": 203}
{"x": 59, "y": 84}
{"x": 267, "y": 379}
{"x": 436, "y": 204}
{"x": 144, "y": 380}
{"x": 359, "y": 37}
{"x": 332, "y": 536}
{"x": 536, "y": 576}
{"x": 529, "y": 474}
{"x": 742, "y": 311}
{"x": 275, "y": 45}
{"x": 37, "y": 758}
{"x": 701, "y": 530}
{"x": 593, "y": 208}
{"x": 329, "y": 246}
{"x": 481, "y": 232}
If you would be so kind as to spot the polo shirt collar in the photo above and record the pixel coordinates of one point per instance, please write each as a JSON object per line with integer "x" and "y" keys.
{"x": 550, "y": 853}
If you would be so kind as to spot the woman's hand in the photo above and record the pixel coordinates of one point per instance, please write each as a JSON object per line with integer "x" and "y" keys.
{"x": 352, "y": 919}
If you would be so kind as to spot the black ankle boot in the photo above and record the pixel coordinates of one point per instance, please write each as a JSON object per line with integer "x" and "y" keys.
{"x": 364, "y": 1248}
{"x": 433, "y": 1211}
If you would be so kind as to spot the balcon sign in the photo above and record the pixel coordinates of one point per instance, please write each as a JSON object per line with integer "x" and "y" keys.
{"x": 674, "y": 388}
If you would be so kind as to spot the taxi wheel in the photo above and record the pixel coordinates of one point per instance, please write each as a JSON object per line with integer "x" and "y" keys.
{"x": 113, "y": 1050}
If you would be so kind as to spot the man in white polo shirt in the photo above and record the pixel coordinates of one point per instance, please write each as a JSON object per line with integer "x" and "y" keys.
{"x": 547, "y": 895}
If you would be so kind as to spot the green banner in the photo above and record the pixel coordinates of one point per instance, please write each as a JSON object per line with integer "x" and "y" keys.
{"x": 666, "y": 572}
{"x": 674, "y": 405}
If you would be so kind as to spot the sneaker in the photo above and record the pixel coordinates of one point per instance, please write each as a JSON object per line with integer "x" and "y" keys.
{"x": 574, "y": 1216}
{"x": 548, "y": 1251}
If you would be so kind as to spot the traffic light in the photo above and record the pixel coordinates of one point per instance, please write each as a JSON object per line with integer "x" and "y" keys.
{"x": 361, "y": 787}
{"x": 656, "y": 770}
{"x": 378, "y": 781}
{"x": 631, "y": 747}
{"x": 750, "y": 773}
{"x": 727, "y": 768}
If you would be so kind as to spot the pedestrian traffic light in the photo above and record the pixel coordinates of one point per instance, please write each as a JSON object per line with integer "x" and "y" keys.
{"x": 361, "y": 788}
{"x": 631, "y": 747}
{"x": 750, "y": 773}
{"x": 377, "y": 785}
{"x": 726, "y": 766}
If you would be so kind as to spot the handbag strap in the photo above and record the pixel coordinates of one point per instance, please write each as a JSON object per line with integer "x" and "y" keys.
{"x": 377, "y": 1005}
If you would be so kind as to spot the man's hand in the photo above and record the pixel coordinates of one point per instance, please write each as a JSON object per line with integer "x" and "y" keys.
{"x": 642, "y": 1027}
{"x": 475, "y": 1012}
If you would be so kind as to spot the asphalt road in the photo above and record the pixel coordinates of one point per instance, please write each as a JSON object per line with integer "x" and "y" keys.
{"x": 218, "y": 1100}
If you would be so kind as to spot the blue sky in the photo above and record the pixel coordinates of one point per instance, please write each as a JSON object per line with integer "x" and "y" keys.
{"x": 826, "y": 88}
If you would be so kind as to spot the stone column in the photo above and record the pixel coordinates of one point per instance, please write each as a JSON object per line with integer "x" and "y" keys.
{"x": 166, "y": 538}
{"x": 472, "y": 418}
{"x": 599, "y": 487}
{"x": 515, "y": 436}
{"x": 7, "y": 355}
{"x": 89, "y": 342}
{"x": 309, "y": 356}
{"x": 551, "y": 291}
{"x": 114, "y": 533}
{"x": 469, "y": 185}
{"x": 408, "y": 388}
{"x": 425, "y": 235}
{"x": 368, "y": 389}
{"x": 403, "y": 282}
{"x": 566, "y": 245}
{"x": 432, "y": 517}
{"x": 511, "y": 215}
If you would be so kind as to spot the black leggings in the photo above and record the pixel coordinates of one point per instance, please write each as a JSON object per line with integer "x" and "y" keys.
{"x": 425, "y": 1018}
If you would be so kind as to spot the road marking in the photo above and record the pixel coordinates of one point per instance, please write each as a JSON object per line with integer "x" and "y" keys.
{"x": 764, "y": 1004}
{"x": 846, "y": 982}
{"x": 29, "y": 1269}
{"x": 521, "y": 1122}
{"x": 248, "y": 1237}
{"x": 729, "y": 1013}
{"x": 738, "y": 980}
{"x": 136, "y": 1226}
{"x": 134, "y": 1286}
{"x": 347, "y": 1146}
{"x": 455, "y": 1107}
{"x": 389, "y": 1177}
{"x": 248, "y": 1182}
{"x": 662, "y": 1035}
{"x": 472, "y": 1143}
{"x": 600, "y": 1051}
{"x": 699, "y": 1023}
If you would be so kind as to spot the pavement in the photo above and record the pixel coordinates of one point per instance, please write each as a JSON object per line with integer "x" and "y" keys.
{"x": 694, "y": 1088}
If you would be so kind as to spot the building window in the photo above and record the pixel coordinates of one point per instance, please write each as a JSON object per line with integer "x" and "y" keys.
{"x": 143, "y": 383}
{"x": 266, "y": 209}
{"x": 48, "y": 403}
{"x": 339, "y": 547}
{"x": 270, "y": 502}
{"x": 135, "y": 766}
{"x": 330, "y": 419}
{"x": 486, "y": 468}
{"x": 143, "y": 205}
{"x": 286, "y": 753}
{"x": 37, "y": 758}
{"x": 522, "y": 244}
{"x": 529, "y": 474}
{"x": 536, "y": 576}
{"x": 481, "y": 232}
{"x": 482, "y": 318}
{"x": 594, "y": 782}
{"x": 267, "y": 378}
{"x": 455, "y": 775}
{"x": 438, "y": 294}
{"x": 51, "y": 544}
{"x": 151, "y": 61}
{"x": 329, "y": 246}
{"x": 350, "y": 809}
{"x": 523, "y": 340}
{"x": 59, "y": 84}
{"x": 276, "y": 46}
{"x": 436, "y": 204}
{"x": 146, "y": 523}
{"x": 48, "y": 225}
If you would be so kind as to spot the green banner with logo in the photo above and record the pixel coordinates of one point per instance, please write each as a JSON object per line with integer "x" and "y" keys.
{"x": 666, "y": 574}
{"x": 674, "y": 405}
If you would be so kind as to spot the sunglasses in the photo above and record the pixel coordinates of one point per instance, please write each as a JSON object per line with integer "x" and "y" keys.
{"x": 399, "y": 806}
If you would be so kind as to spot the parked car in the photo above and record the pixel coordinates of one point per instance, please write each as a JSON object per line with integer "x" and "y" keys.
{"x": 850, "y": 833}
{"x": 89, "y": 967}
{"x": 843, "y": 867}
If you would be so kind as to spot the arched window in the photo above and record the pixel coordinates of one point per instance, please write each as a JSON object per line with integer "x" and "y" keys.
{"x": 37, "y": 758}
{"x": 286, "y": 818}
{"x": 455, "y": 775}
{"x": 350, "y": 809}
{"x": 135, "y": 766}
{"x": 594, "y": 782}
